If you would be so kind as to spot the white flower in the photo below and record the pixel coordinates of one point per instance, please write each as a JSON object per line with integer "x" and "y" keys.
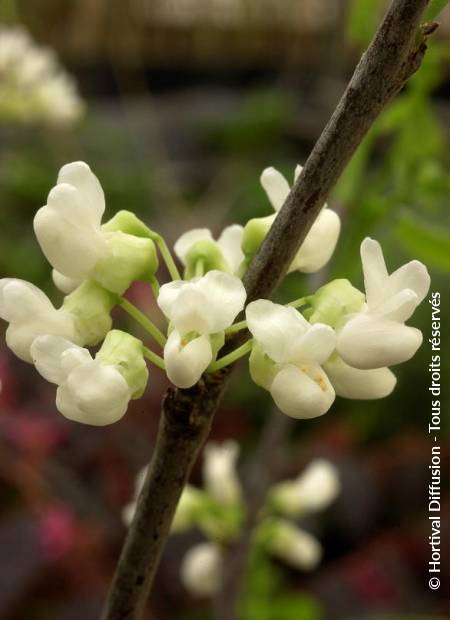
{"x": 30, "y": 313}
{"x": 359, "y": 384}
{"x": 201, "y": 570}
{"x": 315, "y": 488}
{"x": 34, "y": 87}
{"x": 69, "y": 231}
{"x": 320, "y": 242}
{"x": 219, "y": 471}
{"x": 377, "y": 336}
{"x": 296, "y": 547}
{"x": 296, "y": 350}
{"x": 88, "y": 390}
{"x": 197, "y": 309}
{"x": 228, "y": 253}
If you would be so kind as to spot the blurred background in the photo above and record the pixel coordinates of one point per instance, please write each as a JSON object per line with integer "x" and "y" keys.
{"x": 177, "y": 106}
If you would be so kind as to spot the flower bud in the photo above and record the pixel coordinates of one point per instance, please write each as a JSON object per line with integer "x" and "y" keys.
{"x": 296, "y": 547}
{"x": 201, "y": 570}
{"x": 313, "y": 490}
{"x": 91, "y": 306}
{"x": 219, "y": 471}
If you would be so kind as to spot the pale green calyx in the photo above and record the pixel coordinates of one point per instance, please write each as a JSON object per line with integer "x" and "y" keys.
{"x": 254, "y": 233}
{"x": 208, "y": 253}
{"x": 90, "y": 305}
{"x": 262, "y": 369}
{"x": 127, "y": 222}
{"x": 126, "y": 259}
{"x": 334, "y": 301}
{"x": 125, "y": 353}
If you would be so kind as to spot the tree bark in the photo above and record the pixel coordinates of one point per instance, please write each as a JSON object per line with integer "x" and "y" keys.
{"x": 394, "y": 54}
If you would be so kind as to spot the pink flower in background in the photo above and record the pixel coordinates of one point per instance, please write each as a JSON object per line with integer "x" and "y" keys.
{"x": 57, "y": 532}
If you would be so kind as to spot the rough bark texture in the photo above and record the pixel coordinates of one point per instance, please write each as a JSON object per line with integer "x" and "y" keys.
{"x": 186, "y": 418}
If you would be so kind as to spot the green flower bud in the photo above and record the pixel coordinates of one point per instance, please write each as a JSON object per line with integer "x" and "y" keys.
{"x": 127, "y": 259}
{"x": 208, "y": 253}
{"x": 91, "y": 306}
{"x": 254, "y": 234}
{"x": 262, "y": 368}
{"x": 332, "y": 302}
{"x": 125, "y": 352}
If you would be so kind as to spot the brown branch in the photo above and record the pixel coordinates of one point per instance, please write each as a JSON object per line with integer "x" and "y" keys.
{"x": 187, "y": 414}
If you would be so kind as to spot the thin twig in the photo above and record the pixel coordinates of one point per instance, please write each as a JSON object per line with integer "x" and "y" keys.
{"x": 187, "y": 414}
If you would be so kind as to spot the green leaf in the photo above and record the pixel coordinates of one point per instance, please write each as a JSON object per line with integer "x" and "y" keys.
{"x": 428, "y": 243}
{"x": 434, "y": 8}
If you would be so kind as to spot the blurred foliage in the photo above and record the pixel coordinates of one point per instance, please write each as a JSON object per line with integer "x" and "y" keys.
{"x": 267, "y": 596}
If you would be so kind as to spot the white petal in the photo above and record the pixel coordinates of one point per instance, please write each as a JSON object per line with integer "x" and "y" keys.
{"x": 375, "y": 272}
{"x": 226, "y": 298}
{"x": 318, "y": 485}
{"x": 302, "y": 394}
{"x": 63, "y": 283}
{"x": 368, "y": 342}
{"x": 31, "y": 314}
{"x": 186, "y": 364}
{"x": 399, "y": 307}
{"x": 413, "y": 276}
{"x": 275, "y": 186}
{"x": 186, "y": 241}
{"x": 359, "y": 384}
{"x": 229, "y": 243}
{"x": 219, "y": 471}
{"x": 316, "y": 345}
{"x": 192, "y": 312}
{"x": 320, "y": 243}
{"x": 276, "y": 328}
{"x": 84, "y": 180}
{"x": 93, "y": 394}
{"x": 21, "y": 300}
{"x": 297, "y": 172}
{"x": 201, "y": 570}
{"x": 47, "y": 352}
{"x": 69, "y": 242}
{"x": 294, "y": 546}
{"x": 168, "y": 296}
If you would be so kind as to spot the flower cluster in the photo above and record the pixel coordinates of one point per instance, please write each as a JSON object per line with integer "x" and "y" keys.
{"x": 337, "y": 341}
{"x": 218, "y": 510}
{"x": 33, "y": 86}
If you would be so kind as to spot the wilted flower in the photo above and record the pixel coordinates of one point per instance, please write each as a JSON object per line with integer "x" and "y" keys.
{"x": 287, "y": 358}
{"x": 320, "y": 242}
{"x": 315, "y": 488}
{"x": 201, "y": 569}
{"x": 70, "y": 234}
{"x": 197, "y": 309}
{"x": 92, "y": 391}
{"x": 33, "y": 85}
{"x": 377, "y": 336}
{"x": 198, "y": 244}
